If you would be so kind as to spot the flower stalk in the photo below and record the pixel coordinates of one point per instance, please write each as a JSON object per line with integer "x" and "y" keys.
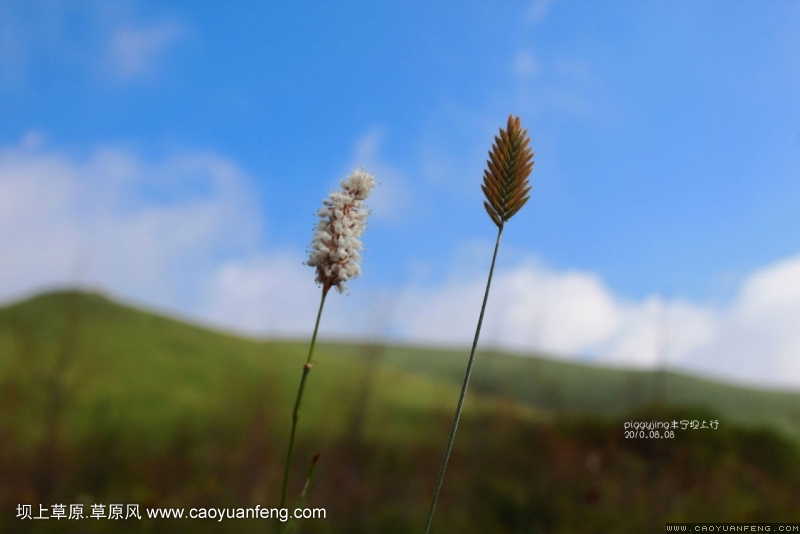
{"x": 296, "y": 411}
{"x": 334, "y": 253}
{"x": 301, "y": 501}
{"x": 505, "y": 185}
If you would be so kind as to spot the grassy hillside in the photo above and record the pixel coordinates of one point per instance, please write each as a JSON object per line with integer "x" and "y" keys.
{"x": 179, "y": 371}
{"x": 100, "y": 401}
{"x": 147, "y": 371}
{"x": 565, "y": 387}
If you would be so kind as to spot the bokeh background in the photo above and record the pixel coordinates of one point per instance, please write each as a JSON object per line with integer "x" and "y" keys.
{"x": 160, "y": 168}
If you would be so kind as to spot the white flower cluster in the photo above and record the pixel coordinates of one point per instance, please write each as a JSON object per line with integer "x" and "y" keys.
{"x": 343, "y": 219}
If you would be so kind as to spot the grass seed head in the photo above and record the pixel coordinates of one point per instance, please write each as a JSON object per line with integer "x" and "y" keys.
{"x": 334, "y": 250}
{"x": 505, "y": 181}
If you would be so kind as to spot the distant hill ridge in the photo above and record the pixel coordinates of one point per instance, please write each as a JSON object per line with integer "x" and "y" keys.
{"x": 150, "y": 370}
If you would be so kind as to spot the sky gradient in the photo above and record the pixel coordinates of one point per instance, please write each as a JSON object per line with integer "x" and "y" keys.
{"x": 174, "y": 155}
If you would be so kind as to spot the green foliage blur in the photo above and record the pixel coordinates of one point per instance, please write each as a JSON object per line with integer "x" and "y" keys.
{"x": 102, "y": 403}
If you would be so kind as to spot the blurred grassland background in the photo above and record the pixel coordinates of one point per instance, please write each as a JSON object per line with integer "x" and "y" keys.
{"x": 173, "y": 156}
{"x": 104, "y": 403}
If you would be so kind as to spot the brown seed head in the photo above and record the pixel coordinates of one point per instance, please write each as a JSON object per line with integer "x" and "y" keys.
{"x": 505, "y": 181}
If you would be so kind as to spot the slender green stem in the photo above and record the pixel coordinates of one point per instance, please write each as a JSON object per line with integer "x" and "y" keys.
{"x": 296, "y": 412}
{"x": 463, "y": 391}
{"x": 301, "y": 501}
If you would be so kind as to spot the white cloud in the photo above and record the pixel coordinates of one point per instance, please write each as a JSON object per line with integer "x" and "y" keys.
{"x": 772, "y": 292}
{"x": 755, "y": 339}
{"x": 758, "y": 338}
{"x": 135, "y": 51}
{"x": 655, "y": 332}
{"x": 529, "y": 306}
{"x": 150, "y": 232}
{"x": 538, "y": 9}
{"x": 273, "y": 294}
{"x": 265, "y": 295}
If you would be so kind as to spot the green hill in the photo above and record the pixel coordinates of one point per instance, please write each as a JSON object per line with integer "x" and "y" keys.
{"x": 147, "y": 371}
{"x": 103, "y": 401}
{"x": 563, "y": 387}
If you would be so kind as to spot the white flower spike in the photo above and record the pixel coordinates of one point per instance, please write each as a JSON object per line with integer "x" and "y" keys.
{"x": 334, "y": 250}
{"x": 334, "y": 253}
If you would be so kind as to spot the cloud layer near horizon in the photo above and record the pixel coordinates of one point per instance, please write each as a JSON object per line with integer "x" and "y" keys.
{"x": 150, "y": 232}
{"x": 185, "y": 235}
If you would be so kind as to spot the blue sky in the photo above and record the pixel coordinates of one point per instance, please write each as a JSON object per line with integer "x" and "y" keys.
{"x": 174, "y": 154}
